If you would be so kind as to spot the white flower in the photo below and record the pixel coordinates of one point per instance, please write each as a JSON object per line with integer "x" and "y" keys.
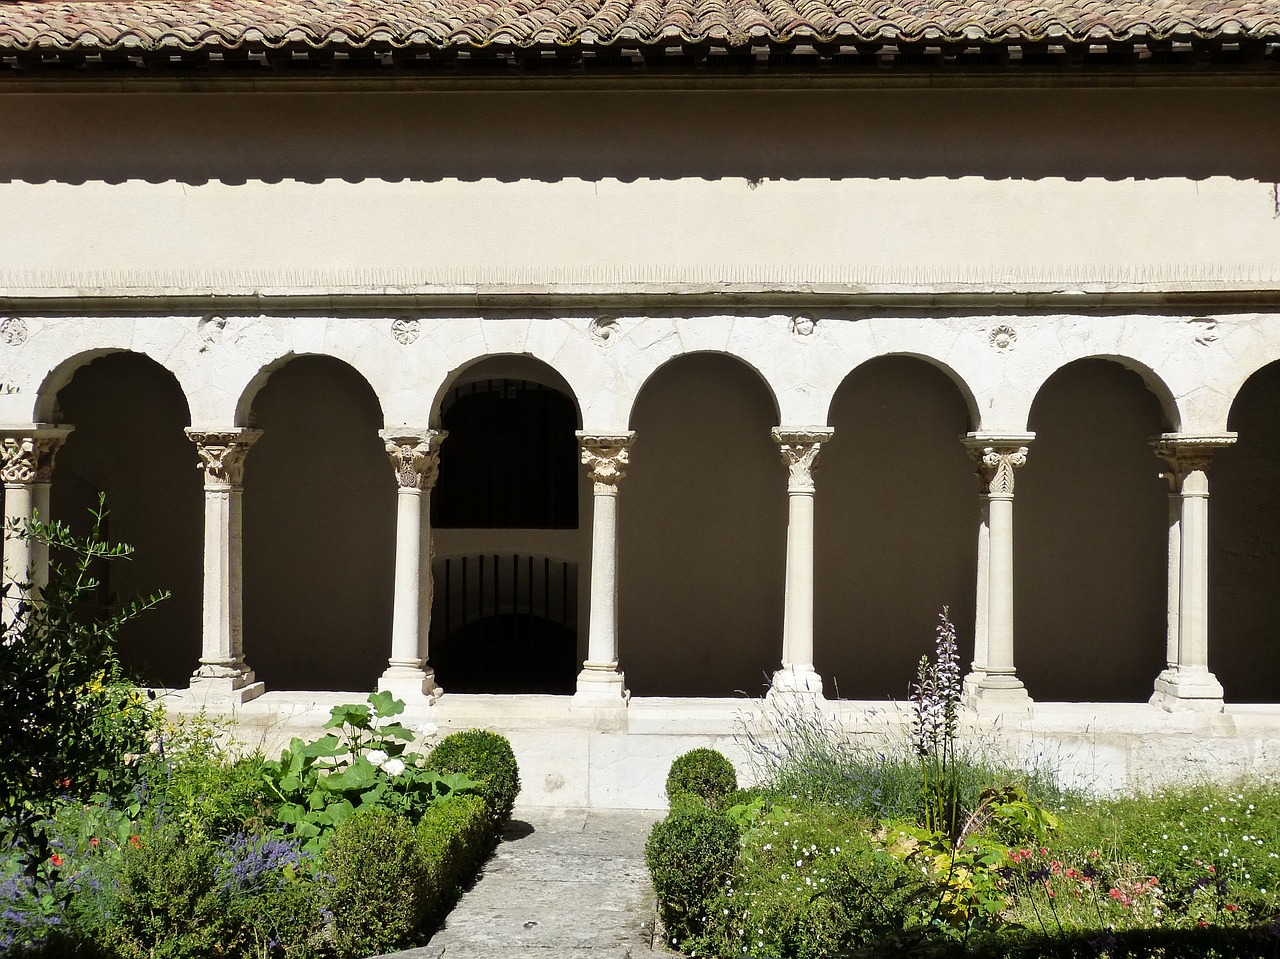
{"x": 376, "y": 756}
{"x": 428, "y": 729}
{"x": 393, "y": 767}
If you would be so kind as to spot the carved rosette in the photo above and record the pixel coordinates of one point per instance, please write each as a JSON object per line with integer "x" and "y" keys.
{"x": 1185, "y": 453}
{"x": 606, "y": 458}
{"x": 26, "y": 460}
{"x": 222, "y": 454}
{"x": 415, "y": 456}
{"x": 800, "y": 450}
{"x": 996, "y": 465}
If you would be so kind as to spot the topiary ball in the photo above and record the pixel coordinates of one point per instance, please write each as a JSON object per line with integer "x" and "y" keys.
{"x": 704, "y": 773}
{"x": 486, "y": 757}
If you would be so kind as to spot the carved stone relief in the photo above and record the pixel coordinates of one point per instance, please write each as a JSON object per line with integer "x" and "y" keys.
{"x": 603, "y": 329}
{"x": 222, "y": 454}
{"x": 406, "y": 329}
{"x": 1002, "y": 337}
{"x": 13, "y": 330}
{"x": 606, "y": 459}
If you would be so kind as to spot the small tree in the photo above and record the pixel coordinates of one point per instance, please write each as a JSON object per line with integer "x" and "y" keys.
{"x": 69, "y": 723}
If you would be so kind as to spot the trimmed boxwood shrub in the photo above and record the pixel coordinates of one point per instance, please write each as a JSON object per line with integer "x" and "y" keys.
{"x": 705, "y": 773}
{"x": 487, "y": 758}
{"x": 690, "y": 855}
{"x": 379, "y": 898}
{"x": 454, "y": 837}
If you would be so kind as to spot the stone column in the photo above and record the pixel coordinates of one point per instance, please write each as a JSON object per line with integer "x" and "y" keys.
{"x": 415, "y": 455}
{"x": 26, "y": 466}
{"x": 800, "y": 447}
{"x": 223, "y": 673}
{"x": 1186, "y": 682}
{"x": 601, "y": 682}
{"x": 998, "y": 690}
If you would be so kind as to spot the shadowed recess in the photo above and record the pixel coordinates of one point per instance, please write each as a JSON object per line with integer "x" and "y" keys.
{"x": 1091, "y": 539}
{"x": 319, "y": 531}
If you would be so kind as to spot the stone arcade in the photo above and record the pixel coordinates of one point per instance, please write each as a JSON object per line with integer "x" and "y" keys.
{"x": 505, "y": 344}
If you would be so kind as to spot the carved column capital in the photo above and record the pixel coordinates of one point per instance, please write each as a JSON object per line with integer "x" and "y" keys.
{"x": 1185, "y": 453}
{"x": 415, "y": 455}
{"x": 800, "y": 447}
{"x": 997, "y": 456}
{"x": 222, "y": 454}
{"x": 26, "y": 456}
{"x": 606, "y": 457}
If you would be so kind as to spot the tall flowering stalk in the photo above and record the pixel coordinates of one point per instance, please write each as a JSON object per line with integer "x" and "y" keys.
{"x": 935, "y": 720}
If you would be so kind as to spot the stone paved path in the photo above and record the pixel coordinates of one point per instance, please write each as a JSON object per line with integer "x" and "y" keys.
{"x": 564, "y": 884}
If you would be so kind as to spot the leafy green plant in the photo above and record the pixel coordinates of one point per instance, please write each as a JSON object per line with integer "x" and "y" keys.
{"x": 691, "y": 855}
{"x": 317, "y": 786}
{"x": 379, "y": 897}
{"x": 935, "y": 721}
{"x": 487, "y": 758}
{"x": 705, "y": 773}
{"x": 69, "y": 724}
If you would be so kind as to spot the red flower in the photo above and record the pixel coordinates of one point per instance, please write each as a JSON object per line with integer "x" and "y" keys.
{"x": 135, "y": 842}
{"x": 65, "y": 783}
{"x": 1231, "y": 907}
{"x": 1212, "y": 870}
{"x": 1202, "y": 924}
{"x": 56, "y": 860}
{"x": 93, "y": 840}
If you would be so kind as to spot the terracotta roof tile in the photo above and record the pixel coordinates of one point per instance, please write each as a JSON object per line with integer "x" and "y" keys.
{"x": 211, "y": 24}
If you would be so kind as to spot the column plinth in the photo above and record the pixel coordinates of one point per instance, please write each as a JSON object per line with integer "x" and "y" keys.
{"x": 415, "y": 456}
{"x": 994, "y": 686}
{"x": 799, "y": 447}
{"x": 223, "y": 674}
{"x": 1186, "y": 682}
{"x": 601, "y": 683}
{"x": 26, "y": 467}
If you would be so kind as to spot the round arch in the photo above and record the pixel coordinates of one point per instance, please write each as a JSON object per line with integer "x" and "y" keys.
{"x": 319, "y": 529}
{"x": 702, "y": 538}
{"x": 1091, "y": 537}
{"x": 1170, "y": 412}
{"x": 1244, "y": 529}
{"x": 248, "y": 396}
{"x": 523, "y": 366}
{"x": 896, "y": 526}
{"x": 650, "y": 375}
{"x": 46, "y": 401}
{"x": 128, "y": 446}
{"x": 973, "y": 416}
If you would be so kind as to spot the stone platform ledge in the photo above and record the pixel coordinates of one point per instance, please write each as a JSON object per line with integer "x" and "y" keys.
{"x": 567, "y": 761}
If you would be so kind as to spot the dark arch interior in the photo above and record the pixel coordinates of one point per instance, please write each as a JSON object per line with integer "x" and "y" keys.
{"x": 896, "y": 527}
{"x": 319, "y": 531}
{"x": 510, "y": 460}
{"x": 1244, "y": 538}
{"x": 1091, "y": 539}
{"x": 703, "y": 531}
{"x": 129, "y": 414}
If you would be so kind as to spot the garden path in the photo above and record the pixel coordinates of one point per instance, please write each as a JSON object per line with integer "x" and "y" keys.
{"x": 564, "y": 884}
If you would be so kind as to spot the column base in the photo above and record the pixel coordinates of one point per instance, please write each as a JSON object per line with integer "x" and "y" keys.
{"x": 969, "y": 687}
{"x": 997, "y": 695}
{"x": 601, "y": 684}
{"x": 796, "y": 679}
{"x": 218, "y": 683}
{"x": 410, "y": 683}
{"x": 1189, "y": 689}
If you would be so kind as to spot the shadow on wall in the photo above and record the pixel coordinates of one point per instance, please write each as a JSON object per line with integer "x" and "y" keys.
{"x": 703, "y": 532}
{"x": 129, "y": 414}
{"x": 319, "y": 531}
{"x": 995, "y": 134}
{"x": 896, "y": 528}
{"x": 1091, "y": 539}
{"x": 1244, "y": 538}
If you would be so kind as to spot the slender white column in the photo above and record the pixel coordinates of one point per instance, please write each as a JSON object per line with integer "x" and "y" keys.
{"x": 978, "y": 668}
{"x": 601, "y": 683}
{"x": 223, "y": 673}
{"x": 26, "y": 467}
{"x": 999, "y": 690}
{"x": 1187, "y": 683}
{"x": 799, "y": 448}
{"x": 415, "y": 455}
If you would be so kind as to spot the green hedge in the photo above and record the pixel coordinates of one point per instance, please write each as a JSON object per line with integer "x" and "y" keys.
{"x": 487, "y": 758}
{"x": 690, "y": 855}
{"x": 454, "y": 838}
{"x": 704, "y": 773}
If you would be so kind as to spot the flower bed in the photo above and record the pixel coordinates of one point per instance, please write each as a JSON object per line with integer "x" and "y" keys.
{"x": 123, "y": 835}
{"x": 928, "y": 849}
